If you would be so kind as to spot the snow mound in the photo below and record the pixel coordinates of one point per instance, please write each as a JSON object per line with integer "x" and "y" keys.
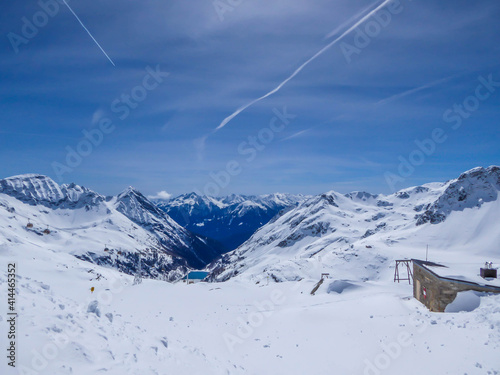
{"x": 465, "y": 301}
{"x": 339, "y": 286}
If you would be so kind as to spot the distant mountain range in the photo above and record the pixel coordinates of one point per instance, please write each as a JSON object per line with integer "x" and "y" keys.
{"x": 278, "y": 236}
{"x": 128, "y": 231}
{"x": 230, "y": 220}
{"x": 359, "y": 231}
{"x": 125, "y": 231}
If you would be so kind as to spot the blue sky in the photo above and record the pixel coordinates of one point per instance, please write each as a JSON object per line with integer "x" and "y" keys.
{"x": 354, "y": 119}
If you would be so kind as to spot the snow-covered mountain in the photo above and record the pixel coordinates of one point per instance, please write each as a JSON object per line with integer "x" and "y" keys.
{"x": 40, "y": 190}
{"x": 112, "y": 231}
{"x": 75, "y": 317}
{"x": 360, "y": 232}
{"x": 230, "y": 220}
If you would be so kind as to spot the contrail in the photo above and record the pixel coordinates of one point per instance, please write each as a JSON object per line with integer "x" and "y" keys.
{"x": 295, "y": 135}
{"x": 352, "y": 19}
{"x": 300, "y": 68}
{"x": 81, "y": 23}
{"x": 417, "y": 89}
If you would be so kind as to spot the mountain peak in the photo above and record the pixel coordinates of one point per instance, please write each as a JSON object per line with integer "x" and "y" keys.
{"x": 471, "y": 189}
{"x": 26, "y": 176}
{"x": 192, "y": 195}
{"x": 480, "y": 171}
{"x": 26, "y": 179}
{"x": 130, "y": 190}
{"x": 361, "y": 195}
{"x": 39, "y": 189}
{"x": 133, "y": 204}
{"x": 132, "y": 193}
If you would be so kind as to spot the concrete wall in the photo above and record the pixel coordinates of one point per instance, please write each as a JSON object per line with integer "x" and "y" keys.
{"x": 440, "y": 292}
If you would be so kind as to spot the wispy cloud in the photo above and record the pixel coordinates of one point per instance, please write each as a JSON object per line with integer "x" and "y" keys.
{"x": 199, "y": 145}
{"x": 300, "y": 68}
{"x": 26, "y": 134}
{"x": 416, "y": 89}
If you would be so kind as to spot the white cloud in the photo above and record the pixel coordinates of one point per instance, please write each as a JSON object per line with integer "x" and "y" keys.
{"x": 417, "y": 89}
{"x": 161, "y": 195}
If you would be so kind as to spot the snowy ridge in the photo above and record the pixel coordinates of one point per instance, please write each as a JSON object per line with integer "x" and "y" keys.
{"x": 332, "y": 231}
{"x": 230, "y": 220}
{"x": 471, "y": 189}
{"x": 112, "y": 231}
{"x": 196, "y": 249}
{"x": 82, "y": 318}
{"x": 36, "y": 189}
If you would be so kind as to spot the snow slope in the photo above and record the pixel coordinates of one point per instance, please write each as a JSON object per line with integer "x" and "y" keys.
{"x": 358, "y": 233}
{"x": 105, "y": 230}
{"x": 358, "y": 322}
{"x": 236, "y": 327}
{"x": 230, "y": 220}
